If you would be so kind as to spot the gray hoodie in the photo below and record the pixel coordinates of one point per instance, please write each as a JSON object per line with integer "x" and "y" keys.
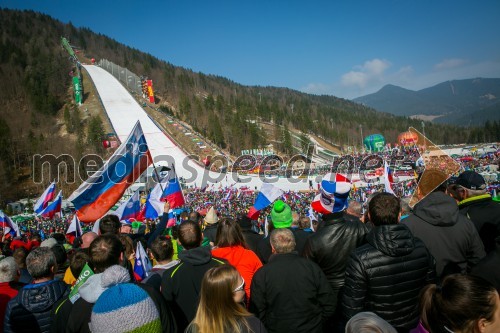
{"x": 450, "y": 237}
{"x": 98, "y": 283}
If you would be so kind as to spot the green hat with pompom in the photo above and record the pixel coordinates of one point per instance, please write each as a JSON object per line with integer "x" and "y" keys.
{"x": 281, "y": 215}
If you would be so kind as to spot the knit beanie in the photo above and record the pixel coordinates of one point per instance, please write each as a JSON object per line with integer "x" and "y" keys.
{"x": 211, "y": 216}
{"x": 281, "y": 215}
{"x": 125, "y": 307}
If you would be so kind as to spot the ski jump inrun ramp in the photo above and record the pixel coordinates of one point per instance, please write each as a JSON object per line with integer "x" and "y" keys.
{"x": 124, "y": 111}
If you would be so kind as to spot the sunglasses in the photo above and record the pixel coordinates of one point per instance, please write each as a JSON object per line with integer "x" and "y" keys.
{"x": 241, "y": 287}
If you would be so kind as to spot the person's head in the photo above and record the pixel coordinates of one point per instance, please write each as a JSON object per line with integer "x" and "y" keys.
{"x": 295, "y": 219}
{"x": 384, "y": 208}
{"x": 282, "y": 241}
{"x": 105, "y": 251}
{"x": 126, "y": 227}
{"x": 125, "y": 307}
{"x": 368, "y": 322}
{"x": 470, "y": 184}
{"x": 229, "y": 234}
{"x": 405, "y": 206}
{"x": 463, "y": 303}
{"x": 87, "y": 238}
{"x": 77, "y": 262}
{"x": 281, "y": 215}
{"x": 110, "y": 224}
{"x": 128, "y": 245}
{"x": 59, "y": 237}
{"x": 8, "y": 270}
{"x": 195, "y": 217}
{"x": 304, "y": 223}
{"x": 41, "y": 263}
{"x": 20, "y": 255}
{"x": 355, "y": 208}
{"x": 222, "y": 288}
{"x": 60, "y": 254}
{"x": 162, "y": 249}
{"x": 190, "y": 235}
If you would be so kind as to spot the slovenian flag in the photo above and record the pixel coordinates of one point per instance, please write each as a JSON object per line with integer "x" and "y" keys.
{"x": 130, "y": 209}
{"x": 142, "y": 264}
{"x": 45, "y": 198}
{"x": 104, "y": 188}
{"x": 172, "y": 192}
{"x": 169, "y": 190}
{"x": 53, "y": 208}
{"x": 267, "y": 195}
{"x": 387, "y": 179}
{"x": 8, "y": 225}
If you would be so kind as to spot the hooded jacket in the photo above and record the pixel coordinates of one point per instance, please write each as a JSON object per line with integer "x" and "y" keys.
{"x": 450, "y": 237}
{"x": 485, "y": 214}
{"x": 386, "y": 275}
{"x": 181, "y": 284}
{"x": 244, "y": 260}
{"x": 96, "y": 284}
{"x": 30, "y": 310}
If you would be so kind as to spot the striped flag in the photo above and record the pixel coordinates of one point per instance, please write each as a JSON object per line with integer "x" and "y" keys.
{"x": 8, "y": 225}
{"x": 53, "y": 208}
{"x": 103, "y": 189}
{"x": 45, "y": 198}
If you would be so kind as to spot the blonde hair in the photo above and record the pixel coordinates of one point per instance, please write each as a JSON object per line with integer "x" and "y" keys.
{"x": 217, "y": 311}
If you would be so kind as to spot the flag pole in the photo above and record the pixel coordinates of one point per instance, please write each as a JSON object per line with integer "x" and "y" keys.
{"x": 157, "y": 175}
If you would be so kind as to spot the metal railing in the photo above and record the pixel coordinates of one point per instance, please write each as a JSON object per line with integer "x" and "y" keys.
{"x": 129, "y": 80}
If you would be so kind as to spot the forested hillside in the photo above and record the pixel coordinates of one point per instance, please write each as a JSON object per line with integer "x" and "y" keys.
{"x": 38, "y": 115}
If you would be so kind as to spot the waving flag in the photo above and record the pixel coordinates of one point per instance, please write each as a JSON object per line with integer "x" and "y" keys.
{"x": 8, "y": 225}
{"x": 267, "y": 195}
{"x": 75, "y": 227}
{"x": 105, "y": 187}
{"x": 142, "y": 264}
{"x": 130, "y": 209}
{"x": 45, "y": 198}
{"x": 54, "y": 207}
{"x": 169, "y": 190}
{"x": 172, "y": 192}
{"x": 387, "y": 179}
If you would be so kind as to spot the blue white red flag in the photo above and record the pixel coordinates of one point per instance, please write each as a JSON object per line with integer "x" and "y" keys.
{"x": 387, "y": 179}
{"x": 53, "y": 208}
{"x": 75, "y": 227}
{"x": 267, "y": 195}
{"x": 142, "y": 264}
{"x": 47, "y": 196}
{"x": 130, "y": 209}
{"x": 8, "y": 225}
{"x": 172, "y": 191}
{"x": 104, "y": 188}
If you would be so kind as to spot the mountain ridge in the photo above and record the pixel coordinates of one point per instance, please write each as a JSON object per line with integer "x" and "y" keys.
{"x": 477, "y": 99}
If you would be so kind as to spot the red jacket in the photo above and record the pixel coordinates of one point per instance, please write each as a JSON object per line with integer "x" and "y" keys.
{"x": 6, "y": 294}
{"x": 244, "y": 260}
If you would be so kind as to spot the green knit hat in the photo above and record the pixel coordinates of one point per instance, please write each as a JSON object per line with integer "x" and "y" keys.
{"x": 281, "y": 215}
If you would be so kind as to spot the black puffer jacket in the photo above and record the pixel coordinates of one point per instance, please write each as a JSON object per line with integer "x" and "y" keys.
{"x": 30, "y": 310}
{"x": 332, "y": 244}
{"x": 386, "y": 275}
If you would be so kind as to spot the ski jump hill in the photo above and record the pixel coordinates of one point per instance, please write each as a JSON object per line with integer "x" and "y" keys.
{"x": 124, "y": 111}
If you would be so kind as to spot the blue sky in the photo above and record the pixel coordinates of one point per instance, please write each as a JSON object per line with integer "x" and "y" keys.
{"x": 343, "y": 48}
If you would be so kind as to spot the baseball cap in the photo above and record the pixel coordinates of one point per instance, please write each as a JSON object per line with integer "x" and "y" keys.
{"x": 471, "y": 180}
